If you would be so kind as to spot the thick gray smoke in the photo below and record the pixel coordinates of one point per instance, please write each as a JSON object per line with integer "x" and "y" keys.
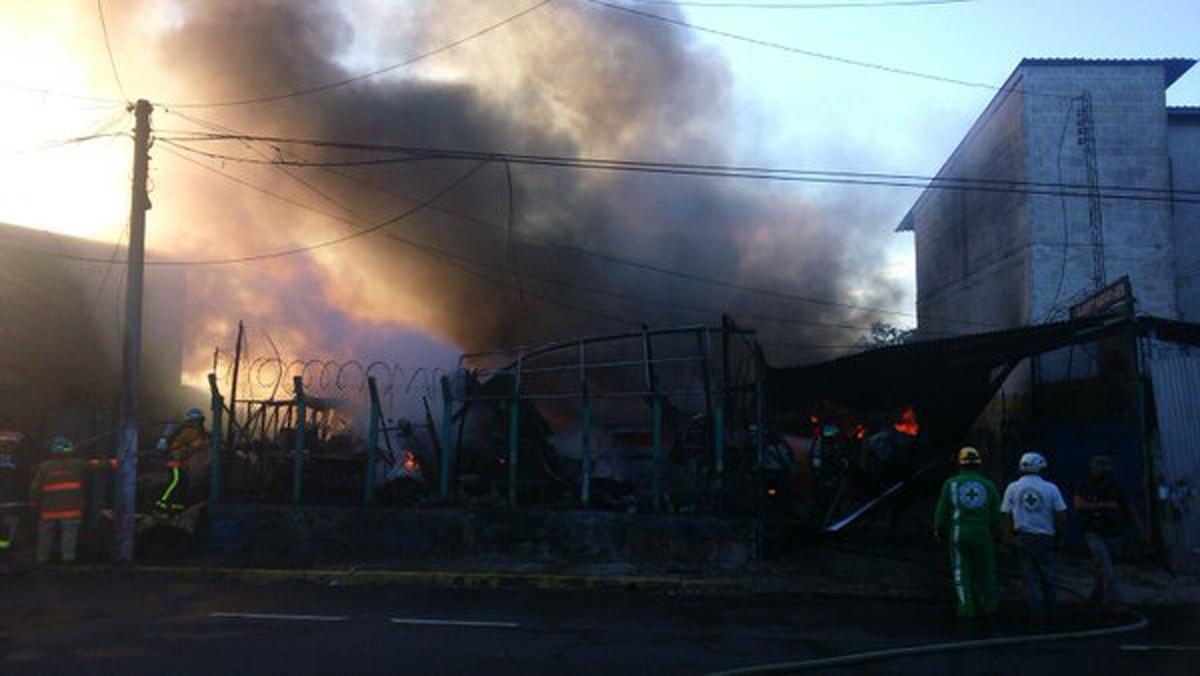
{"x": 569, "y": 79}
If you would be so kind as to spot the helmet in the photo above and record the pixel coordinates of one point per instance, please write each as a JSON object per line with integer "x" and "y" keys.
{"x": 194, "y": 414}
{"x": 1032, "y": 463}
{"x": 62, "y": 444}
{"x": 969, "y": 455}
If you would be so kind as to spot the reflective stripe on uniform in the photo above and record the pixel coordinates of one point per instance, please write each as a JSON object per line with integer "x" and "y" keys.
{"x": 63, "y": 514}
{"x": 955, "y": 559}
{"x": 166, "y": 495}
{"x": 58, "y": 486}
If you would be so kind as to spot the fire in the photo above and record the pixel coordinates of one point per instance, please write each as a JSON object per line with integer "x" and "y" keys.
{"x": 908, "y": 422}
{"x": 410, "y": 461}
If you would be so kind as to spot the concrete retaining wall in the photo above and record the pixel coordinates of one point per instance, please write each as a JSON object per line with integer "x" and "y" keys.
{"x": 280, "y": 535}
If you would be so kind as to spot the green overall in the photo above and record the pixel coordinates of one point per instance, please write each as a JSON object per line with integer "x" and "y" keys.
{"x": 967, "y": 518}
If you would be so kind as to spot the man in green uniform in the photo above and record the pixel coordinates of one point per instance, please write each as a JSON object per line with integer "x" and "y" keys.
{"x": 967, "y": 519}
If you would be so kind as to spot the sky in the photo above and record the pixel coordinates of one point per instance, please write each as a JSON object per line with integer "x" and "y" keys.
{"x": 788, "y": 110}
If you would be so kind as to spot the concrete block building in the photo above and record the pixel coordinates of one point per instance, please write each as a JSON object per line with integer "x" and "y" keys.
{"x": 1016, "y": 249}
{"x": 1004, "y": 241}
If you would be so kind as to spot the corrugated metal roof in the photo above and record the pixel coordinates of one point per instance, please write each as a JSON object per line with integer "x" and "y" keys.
{"x": 1173, "y": 68}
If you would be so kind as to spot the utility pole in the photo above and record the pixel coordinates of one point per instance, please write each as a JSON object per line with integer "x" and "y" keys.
{"x": 1085, "y": 128}
{"x": 127, "y": 455}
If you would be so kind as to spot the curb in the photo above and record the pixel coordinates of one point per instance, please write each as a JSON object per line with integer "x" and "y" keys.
{"x": 442, "y": 579}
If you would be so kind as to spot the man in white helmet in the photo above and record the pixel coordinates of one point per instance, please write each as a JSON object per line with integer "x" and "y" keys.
{"x": 1037, "y": 514}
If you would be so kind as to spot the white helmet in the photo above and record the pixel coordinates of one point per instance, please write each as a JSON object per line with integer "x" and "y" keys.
{"x": 1032, "y": 463}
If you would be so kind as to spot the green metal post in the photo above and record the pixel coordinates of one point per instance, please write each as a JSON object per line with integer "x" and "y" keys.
{"x": 719, "y": 447}
{"x": 298, "y": 452}
{"x": 214, "y": 461}
{"x": 514, "y": 436}
{"x": 585, "y": 447}
{"x": 372, "y": 442}
{"x": 514, "y": 433}
{"x": 447, "y": 438}
{"x": 656, "y": 432}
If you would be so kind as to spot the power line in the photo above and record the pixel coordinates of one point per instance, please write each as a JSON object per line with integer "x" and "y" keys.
{"x": 42, "y": 91}
{"x": 50, "y": 145}
{"x": 506, "y": 270}
{"x": 108, "y": 48}
{"x": 578, "y": 250}
{"x": 358, "y": 78}
{"x": 679, "y": 23}
{"x": 283, "y": 252}
{"x": 808, "y": 5}
{"x": 411, "y": 154}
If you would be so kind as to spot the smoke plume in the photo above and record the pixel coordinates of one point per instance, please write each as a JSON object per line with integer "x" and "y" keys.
{"x": 569, "y": 79}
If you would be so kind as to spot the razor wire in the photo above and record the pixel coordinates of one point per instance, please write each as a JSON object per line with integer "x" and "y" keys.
{"x": 270, "y": 377}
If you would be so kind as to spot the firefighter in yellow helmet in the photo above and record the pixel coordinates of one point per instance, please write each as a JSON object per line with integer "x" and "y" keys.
{"x": 181, "y": 444}
{"x": 57, "y": 496}
{"x": 967, "y": 519}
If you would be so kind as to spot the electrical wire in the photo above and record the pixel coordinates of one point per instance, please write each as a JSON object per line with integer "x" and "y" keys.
{"x": 358, "y": 78}
{"x": 108, "y": 48}
{"x": 679, "y": 23}
{"x": 807, "y": 5}
{"x": 411, "y": 154}
{"x": 506, "y": 270}
{"x": 42, "y": 91}
{"x": 607, "y": 257}
{"x": 406, "y": 213}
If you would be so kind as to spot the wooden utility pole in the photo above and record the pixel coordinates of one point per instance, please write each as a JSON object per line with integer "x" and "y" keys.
{"x": 127, "y": 455}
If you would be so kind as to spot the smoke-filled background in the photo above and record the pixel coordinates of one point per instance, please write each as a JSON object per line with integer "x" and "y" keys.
{"x": 567, "y": 80}
{"x": 497, "y": 258}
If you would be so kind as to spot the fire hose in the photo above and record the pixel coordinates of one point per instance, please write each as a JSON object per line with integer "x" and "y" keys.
{"x": 933, "y": 648}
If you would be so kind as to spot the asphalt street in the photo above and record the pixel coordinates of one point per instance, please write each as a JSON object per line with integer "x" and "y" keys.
{"x": 55, "y": 623}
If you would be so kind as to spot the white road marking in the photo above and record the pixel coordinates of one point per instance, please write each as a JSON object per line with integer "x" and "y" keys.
{"x": 1145, "y": 648}
{"x": 281, "y": 616}
{"x": 453, "y": 623}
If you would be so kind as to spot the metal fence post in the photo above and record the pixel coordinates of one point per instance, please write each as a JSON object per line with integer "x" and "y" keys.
{"x": 372, "y": 442}
{"x": 656, "y": 431}
{"x": 298, "y": 452}
{"x": 214, "y": 460}
{"x": 585, "y": 446}
{"x": 514, "y": 436}
{"x": 719, "y": 448}
{"x": 447, "y": 438}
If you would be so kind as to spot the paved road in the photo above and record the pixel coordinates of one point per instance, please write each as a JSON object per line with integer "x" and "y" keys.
{"x": 120, "y": 624}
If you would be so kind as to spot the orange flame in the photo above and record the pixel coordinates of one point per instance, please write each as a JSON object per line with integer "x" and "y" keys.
{"x": 908, "y": 422}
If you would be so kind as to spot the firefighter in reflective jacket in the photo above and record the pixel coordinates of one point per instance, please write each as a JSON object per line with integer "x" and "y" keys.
{"x": 180, "y": 445}
{"x": 967, "y": 519}
{"x": 57, "y": 496}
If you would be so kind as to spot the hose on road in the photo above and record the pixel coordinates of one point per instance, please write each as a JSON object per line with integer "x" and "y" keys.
{"x": 932, "y": 648}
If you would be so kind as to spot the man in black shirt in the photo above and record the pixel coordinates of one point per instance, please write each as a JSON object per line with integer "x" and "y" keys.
{"x": 1103, "y": 508}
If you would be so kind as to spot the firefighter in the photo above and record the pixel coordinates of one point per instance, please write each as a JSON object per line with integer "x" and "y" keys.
{"x": 57, "y": 495}
{"x": 967, "y": 519}
{"x": 181, "y": 444}
{"x": 11, "y": 444}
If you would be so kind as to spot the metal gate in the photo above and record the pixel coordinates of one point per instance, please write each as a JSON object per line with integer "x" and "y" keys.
{"x": 1176, "y": 382}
